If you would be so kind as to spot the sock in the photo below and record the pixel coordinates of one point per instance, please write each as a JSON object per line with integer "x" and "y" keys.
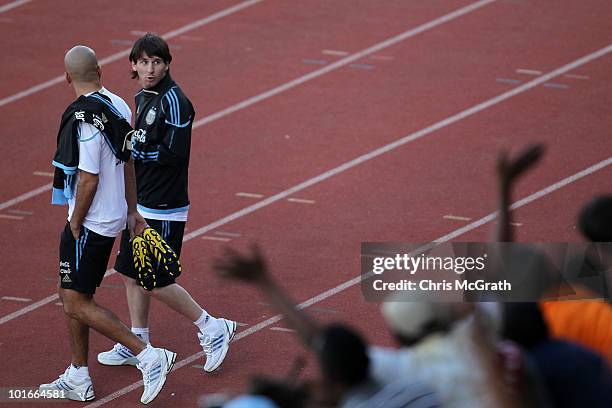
{"x": 142, "y": 333}
{"x": 207, "y": 324}
{"x": 147, "y": 356}
{"x": 78, "y": 373}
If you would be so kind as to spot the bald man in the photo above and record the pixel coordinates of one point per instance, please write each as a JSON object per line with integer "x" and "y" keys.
{"x": 95, "y": 178}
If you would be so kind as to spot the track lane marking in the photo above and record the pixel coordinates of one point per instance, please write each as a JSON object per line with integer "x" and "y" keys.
{"x": 16, "y": 299}
{"x": 456, "y": 218}
{"x": 11, "y": 217}
{"x": 222, "y": 239}
{"x": 10, "y": 6}
{"x": 528, "y": 71}
{"x": 301, "y": 200}
{"x": 249, "y": 195}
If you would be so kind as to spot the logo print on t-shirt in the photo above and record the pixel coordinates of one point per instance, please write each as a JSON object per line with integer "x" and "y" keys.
{"x": 150, "y": 118}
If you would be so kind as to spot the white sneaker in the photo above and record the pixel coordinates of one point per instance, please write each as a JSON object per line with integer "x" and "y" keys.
{"x": 118, "y": 355}
{"x": 69, "y": 389}
{"x": 154, "y": 375}
{"x": 216, "y": 347}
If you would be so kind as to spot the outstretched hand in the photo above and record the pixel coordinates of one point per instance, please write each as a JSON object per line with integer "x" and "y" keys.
{"x": 242, "y": 267}
{"x": 509, "y": 169}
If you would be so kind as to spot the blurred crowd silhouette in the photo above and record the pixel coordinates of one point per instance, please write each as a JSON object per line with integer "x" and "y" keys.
{"x": 546, "y": 353}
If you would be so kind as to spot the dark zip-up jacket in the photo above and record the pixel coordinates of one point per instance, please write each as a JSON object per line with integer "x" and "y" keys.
{"x": 161, "y": 145}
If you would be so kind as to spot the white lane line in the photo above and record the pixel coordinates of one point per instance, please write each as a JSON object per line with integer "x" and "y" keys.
{"x": 508, "y": 81}
{"x": 10, "y": 6}
{"x": 25, "y": 196}
{"x": 516, "y": 224}
{"x": 344, "y": 61}
{"x": 352, "y": 282}
{"x": 555, "y": 85}
{"x": 122, "y": 54}
{"x": 530, "y": 198}
{"x": 29, "y": 308}
{"x": 301, "y": 201}
{"x": 456, "y": 218}
{"x": 314, "y": 61}
{"x": 574, "y": 76}
{"x": 16, "y": 299}
{"x": 43, "y": 173}
{"x": 340, "y": 63}
{"x": 528, "y": 71}
{"x": 361, "y": 159}
{"x": 21, "y": 212}
{"x": 334, "y": 52}
{"x": 249, "y": 195}
{"x": 216, "y": 238}
{"x": 227, "y": 234}
{"x": 11, "y": 217}
{"x": 282, "y": 329}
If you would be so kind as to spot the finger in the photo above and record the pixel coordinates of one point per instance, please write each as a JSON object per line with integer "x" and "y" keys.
{"x": 526, "y": 159}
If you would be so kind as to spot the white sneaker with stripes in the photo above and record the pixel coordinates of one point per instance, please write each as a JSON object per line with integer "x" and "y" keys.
{"x": 215, "y": 347}
{"x": 154, "y": 375}
{"x": 118, "y": 355}
{"x": 70, "y": 389}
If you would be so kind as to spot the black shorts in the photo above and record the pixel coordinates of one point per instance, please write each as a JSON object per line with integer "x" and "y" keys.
{"x": 83, "y": 262}
{"x": 171, "y": 232}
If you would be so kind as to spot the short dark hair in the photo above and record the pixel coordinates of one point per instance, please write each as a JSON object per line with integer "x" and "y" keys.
{"x": 595, "y": 219}
{"x": 152, "y": 45}
{"x": 342, "y": 354}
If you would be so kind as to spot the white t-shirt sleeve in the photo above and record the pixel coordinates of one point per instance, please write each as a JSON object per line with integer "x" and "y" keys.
{"x": 90, "y": 148}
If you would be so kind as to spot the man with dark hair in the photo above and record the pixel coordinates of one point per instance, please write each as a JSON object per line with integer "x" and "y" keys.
{"x": 95, "y": 177}
{"x": 161, "y": 146}
{"x": 150, "y": 45}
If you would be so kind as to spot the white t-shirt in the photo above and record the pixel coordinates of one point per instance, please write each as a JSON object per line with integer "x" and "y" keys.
{"x": 107, "y": 215}
{"x": 449, "y": 363}
{"x": 388, "y": 365}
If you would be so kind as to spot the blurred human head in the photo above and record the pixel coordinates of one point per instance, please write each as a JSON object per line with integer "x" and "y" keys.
{"x": 524, "y": 324}
{"x": 342, "y": 356}
{"x": 595, "y": 219}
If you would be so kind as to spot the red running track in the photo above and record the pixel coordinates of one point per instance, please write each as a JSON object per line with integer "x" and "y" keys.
{"x": 296, "y": 135}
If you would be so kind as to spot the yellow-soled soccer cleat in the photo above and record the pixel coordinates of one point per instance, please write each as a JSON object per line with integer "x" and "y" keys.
{"x": 162, "y": 252}
{"x": 143, "y": 263}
